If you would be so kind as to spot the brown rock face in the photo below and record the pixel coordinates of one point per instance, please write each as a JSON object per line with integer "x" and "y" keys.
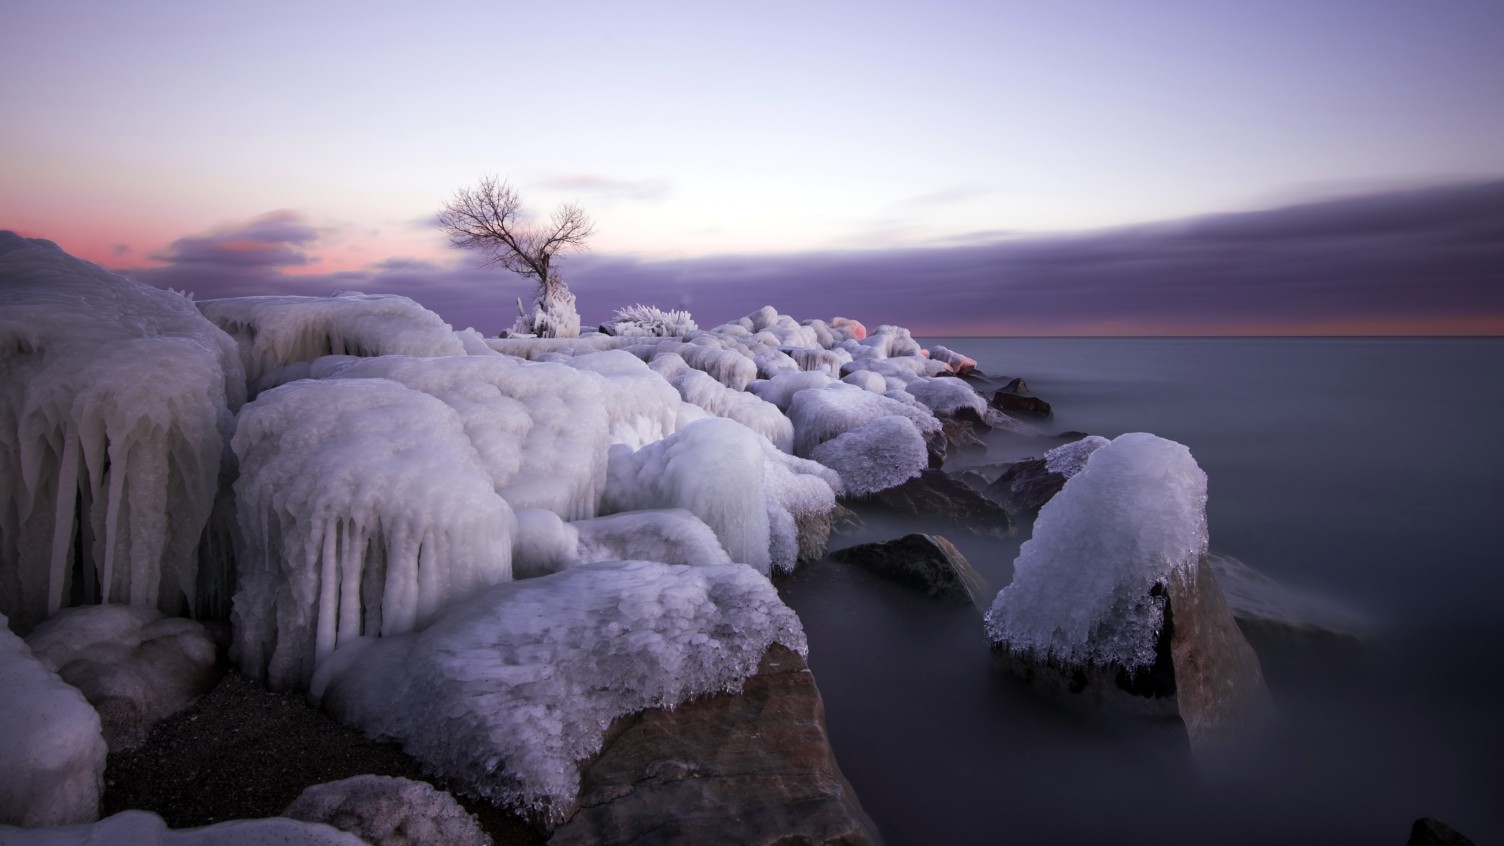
{"x": 753, "y": 768}
{"x": 928, "y": 562}
{"x": 934, "y": 494}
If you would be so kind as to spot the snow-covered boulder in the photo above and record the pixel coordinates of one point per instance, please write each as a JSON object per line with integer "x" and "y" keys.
{"x": 387, "y": 811}
{"x": 115, "y": 406}
{"x": 273, "y": 332}
{"x": 365, "y": 509}
{"x": 507, "y": 691}
{"x": 1113, "y": 587}
{"x": 51, "y": 751}
{"x": 821, "y": 414}
{"x": 135, "y": 666}
{"x": 143, "y": 828}
{"x": 875, "y": 456}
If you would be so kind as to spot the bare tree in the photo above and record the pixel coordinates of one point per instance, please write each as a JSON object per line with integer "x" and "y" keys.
{"x": 489, "y": 218}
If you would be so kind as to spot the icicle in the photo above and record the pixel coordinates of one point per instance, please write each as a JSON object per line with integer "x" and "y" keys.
{"x": 62, "y": 525}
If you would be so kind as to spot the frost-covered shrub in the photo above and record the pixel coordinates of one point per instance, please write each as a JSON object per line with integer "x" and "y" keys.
{"x": 507, "y": 691}
{"x": 115, "y": 406}
{"x": 1084, "y": 589}
{"x": 365, "y": 510}
{"x": 639, "y": 320}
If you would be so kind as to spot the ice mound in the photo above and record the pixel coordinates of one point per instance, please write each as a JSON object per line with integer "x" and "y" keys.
{"x": 114, "y": 410}
{"x": 276, "y": 331}
{"x": 544, "y": 544}
{"x": 51, "y": 751}
{"x": 821, "y": 414}
{"x": 535, "y": 348}
{"x": 1069, "y": 459}
{"x": 387, "y": 811}
{"x": 780, "y": 390}
{"x": 699, "y": 388}
{"x": 507, "y": 691}
{"x": 642, "y": 406}
{"x": 801, "y": 496}
{"x": 947, "y": 397}
{"x": 713, "y": 468}
{"x": 364, "y": 509}
{"x": 135, "y": 666}
{"x": 1088, "y": 587}
{"x": 541, "y": 430}
{"x": 958, "y": 363}
{"x": 875, "y": 456}
{"x": 143, "y": 828}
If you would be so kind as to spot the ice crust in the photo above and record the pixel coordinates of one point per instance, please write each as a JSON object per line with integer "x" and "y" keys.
{"x": 642, "y": 406}
{"x": 875, "y": 456}
{"x": 821, "y": 414}
{"x": 143, "y": 828}
{"x": 699, "y": 388}
{"x": 52, "y": 753}
{"x": 507, "y": 691}
{"x": 1084, "y": 586}
{"x": 114, "y": 411}
{"x": 1068, "y": 459}
{"x": 387, "y": 811}
{"x": 273, "y": 332}
{"x": 545, "y": 544}
{"x": 364, "y": 508}
{"x": 947, "y": 396}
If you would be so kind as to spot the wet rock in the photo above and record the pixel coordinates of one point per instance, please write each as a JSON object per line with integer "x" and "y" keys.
{"x": 135, "y": 666}
{"x": 1272, "y": 616}
{"x": 957, "y": 437}
{"x": 1025, "y": 486}
{"x": 388, "y": 811}
{"x": 1433, "y": 832}
{"x": 754, "y": 767}
{"x": 928, "y": 562}
{"x": 1021, "y": 405}
{"x": 934, "y": 494}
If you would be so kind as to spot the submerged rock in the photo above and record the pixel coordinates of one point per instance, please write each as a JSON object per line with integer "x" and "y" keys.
{"x": 934, "y": 494}
{"x": 1271, "y": 615}
{"x": 1016, "y": 400}
{"x": 753, "y": 767}
{"x": 135, "y": 666}
{"x": 1433, "y": 832}
{"x": 1113, "y": 602}
{"x": 928, "y": 562}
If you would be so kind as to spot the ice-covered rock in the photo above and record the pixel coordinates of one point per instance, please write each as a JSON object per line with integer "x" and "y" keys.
{"x": 507, "y": 691}
{"x": 135, "y": 666}
{"x": 114, "y": 410}
{"x": 1112, "y": 595}
{"x": 821, "y": 414}
{"x": 698, "y": 388}
{"x": 948, "y": 397}
{"x": 959, "y": 364}
{"x": 877, "y": 455}
{"x": 51, "y": 751}
{"x": 143, "y": 828}
{"x": 1027, "y": 485}
{"x": 780, "y": 390}
{"x": 642, "y": 406}
{"x": 365, "y": 509}
{"x": 801, "y": 499}
{"x": 276, "y": 331}
{"x": 669, "y": 536}
{"x": 541, "y": 430}
{"x": 388, "y": 811}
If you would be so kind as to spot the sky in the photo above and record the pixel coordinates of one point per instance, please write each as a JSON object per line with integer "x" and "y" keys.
{"x": 1107, "y": 167}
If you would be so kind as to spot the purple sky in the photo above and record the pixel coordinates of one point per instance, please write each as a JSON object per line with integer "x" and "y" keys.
{"x": 960, "y": 166}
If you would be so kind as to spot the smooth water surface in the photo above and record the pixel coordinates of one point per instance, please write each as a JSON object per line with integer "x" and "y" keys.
{"x": 1369, "y": 471}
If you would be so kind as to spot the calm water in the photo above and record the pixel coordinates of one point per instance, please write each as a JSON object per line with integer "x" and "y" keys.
{"x": 1369, "y": 471}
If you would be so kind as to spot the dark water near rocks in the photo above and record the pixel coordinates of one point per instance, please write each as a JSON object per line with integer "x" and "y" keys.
{"x": 1370, "y": 471}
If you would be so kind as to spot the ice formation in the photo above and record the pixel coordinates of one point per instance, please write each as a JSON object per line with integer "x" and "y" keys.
{"x": 114, "y": 410}
{"x": 800, "y": 496}
{"x": 875, "y": 456}
{"x": 51, "y": 751}
{"x": 780, "y": 390}
{"x": 643, "y": 407}
{"x": 364, "y": 509}
{"x": 276, "y": 331}
{"x": 1088, "y": 586}
{"x": 958, "y": 363}
{"x": 541, "y": 430}
{"x": 387, "y": 811}
{"x": 698, "y": 388}
{"x": 143, "y": 828}
{"x": 507, "y": 691}
{"x": 714, "y": 469}
{"x": 947, "y": 396}
{"x": 135, "y": 666}
{"x": 1068, "y": 459}
{"x": 821, "y": 414}
{"x": 545, "y": 544}
{"x": 642, "y": 320}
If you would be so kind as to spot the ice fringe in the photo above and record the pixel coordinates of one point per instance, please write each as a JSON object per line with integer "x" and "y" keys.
{"x": 114, "y": 412}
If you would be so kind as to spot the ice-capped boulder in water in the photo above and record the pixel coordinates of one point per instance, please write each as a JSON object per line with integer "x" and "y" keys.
{"x": 698, "y": 388}
{"x": 507, "y": 691}
{"x": 959, "y": 364}
{"x": 276, "y": 331}
{"x": 541, "y": 430}
{"x": 875, "y": 456}
{"x": 51, "y": 751}
{"x": 143, "y": 828}
{"x": 1114, "y": 587}
{"x": 948, "y": 397}
{"x": 642, "y": 406}
{"x": 135, "y": 666}
{"x": 387, "y": 811}
{"x": 365, "y": 509}
{"x": 801, "y": 498}
{"x": 821, "y": 414}
{"x": 115, "y": 407}
{"x": 713, "y": 468}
